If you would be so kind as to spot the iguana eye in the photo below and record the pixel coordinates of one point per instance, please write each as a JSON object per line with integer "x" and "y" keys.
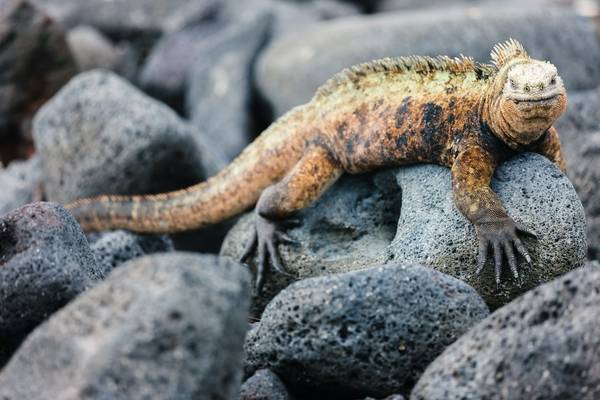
{"x": 553, "y": 80}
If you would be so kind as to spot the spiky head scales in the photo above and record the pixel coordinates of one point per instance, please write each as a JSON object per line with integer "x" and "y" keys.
{"x": 507, "y": 51}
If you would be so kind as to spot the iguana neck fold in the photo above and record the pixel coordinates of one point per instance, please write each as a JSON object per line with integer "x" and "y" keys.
{"x": 491, "y": 116}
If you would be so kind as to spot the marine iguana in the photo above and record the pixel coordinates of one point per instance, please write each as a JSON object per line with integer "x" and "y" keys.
{"x": 449, "y": 111}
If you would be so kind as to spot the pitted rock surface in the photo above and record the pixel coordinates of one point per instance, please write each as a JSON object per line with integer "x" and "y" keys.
{"x": 164, "y": 327}
{"x": 45, "y": 261}
{"x": 354, "y": 225}
{"x": 264, "y": 385}
{"x": 112, "y": 249}
{"x": 535, "y": 193}
{"x": 348, "y": 228}
{"x": 21, "y": 183}
{"x": 544, "y": 345}
{"x": 100, "y": 135}
{"x": 369, "y": 332}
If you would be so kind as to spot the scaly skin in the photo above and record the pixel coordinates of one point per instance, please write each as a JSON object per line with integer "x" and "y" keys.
{"x": 467, "y": 116}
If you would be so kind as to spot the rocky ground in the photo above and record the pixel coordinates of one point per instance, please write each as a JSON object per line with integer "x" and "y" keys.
{"x": 145, "y": 96}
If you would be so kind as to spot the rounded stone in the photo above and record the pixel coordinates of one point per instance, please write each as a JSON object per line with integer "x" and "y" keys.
{"x": 100, "y": 135}
{"x": 348, "y": 228}
{"x": 369, "y": 332}
{"x": 264, "y": 385}
{"x": 222, "y": 74}
{"x": 167, "y": 326}
{"x": 36, "y": 63}
{"x": 291, "y": 69}
{"x": 544, "y": 345}
{"x": 579, "y": 131}
{"x": 21, "y": 183}
{"x": 128, "y": 18}
{"x": 534, "y": 192}
{"x": 45, "y": 261}
{"x": 91, "y": 50}
{"x": 358, "y": 222}
{"x": 112, "y": 249}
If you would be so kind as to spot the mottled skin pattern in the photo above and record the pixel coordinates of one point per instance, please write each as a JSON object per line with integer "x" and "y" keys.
{"x": 454, "y": 112}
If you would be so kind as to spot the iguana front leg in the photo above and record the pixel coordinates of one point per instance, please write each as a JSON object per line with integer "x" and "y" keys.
{"x": 549, "y": 147}
{"x": 310, "y": 177}
{"x": 471, "y": 175}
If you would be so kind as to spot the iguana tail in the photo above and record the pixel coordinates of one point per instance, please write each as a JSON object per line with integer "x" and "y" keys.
{"x": 232, "y": 191}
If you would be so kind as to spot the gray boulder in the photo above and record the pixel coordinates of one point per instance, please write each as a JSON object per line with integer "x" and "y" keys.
{"x": 290, "y": 69}
{"x": 221, "y": 32}
{"x": 348, "y": 228}
{"x": 579, "y": 130}
{"x": 167, "y": 326}
{"x": 91, "y": 50}
{"x": 264, "y": 385}
{"x": 358, "y": 222}
{"x": 100, "y": 135}
{"x": 120, "y": 18}
{"x": 582, "y": 116}
{"x": 45, "y": 261}
{"x": 21, "y": 183}
{"x": 544, "y": 345}
{"x": 369, "y": 332}
{"x": 582, "y": 154}
{"x": 219, "y": 98}
{"x": 112, "y": 249}
{"x": 164, "y": 72}
{"x": 593, "y": 264}
{"x": 35, "y": 60}
{"x": 394, "y": 5}
{"x": 535, "y": 193}
{"x": 297, "y": 16}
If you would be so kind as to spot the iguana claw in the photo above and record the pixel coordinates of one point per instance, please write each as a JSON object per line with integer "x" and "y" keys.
{"x": 502, "y": 237}
{"x": 266, "y": 235}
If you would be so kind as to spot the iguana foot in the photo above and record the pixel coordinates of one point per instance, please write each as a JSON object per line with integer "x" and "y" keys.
{"x": 265, "y": 237}
{"x": 502, "y": 237}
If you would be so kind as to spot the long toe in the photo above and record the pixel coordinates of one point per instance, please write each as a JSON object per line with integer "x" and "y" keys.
{"x": 250, "y": 247}
{"x": 261, "y": 268}
{"x": 275, "y": 258}
{"x": 481, "y": 257}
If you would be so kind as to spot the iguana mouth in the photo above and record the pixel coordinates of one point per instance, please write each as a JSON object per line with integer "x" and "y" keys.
{"x": 536, "y": 101}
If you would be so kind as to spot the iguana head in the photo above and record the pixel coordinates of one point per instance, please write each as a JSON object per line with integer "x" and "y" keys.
{"x": 526, "y": 96}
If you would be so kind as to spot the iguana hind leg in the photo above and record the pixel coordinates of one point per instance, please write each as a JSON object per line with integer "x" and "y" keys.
{"x": 310, "y": 177}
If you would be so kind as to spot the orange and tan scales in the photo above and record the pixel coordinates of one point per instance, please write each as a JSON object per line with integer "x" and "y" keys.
{"x": 454, "y": 112}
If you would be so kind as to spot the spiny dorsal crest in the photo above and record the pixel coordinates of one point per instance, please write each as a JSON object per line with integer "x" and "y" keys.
{"x": 504, "y": 52}
{"x": 418, "y": 64}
